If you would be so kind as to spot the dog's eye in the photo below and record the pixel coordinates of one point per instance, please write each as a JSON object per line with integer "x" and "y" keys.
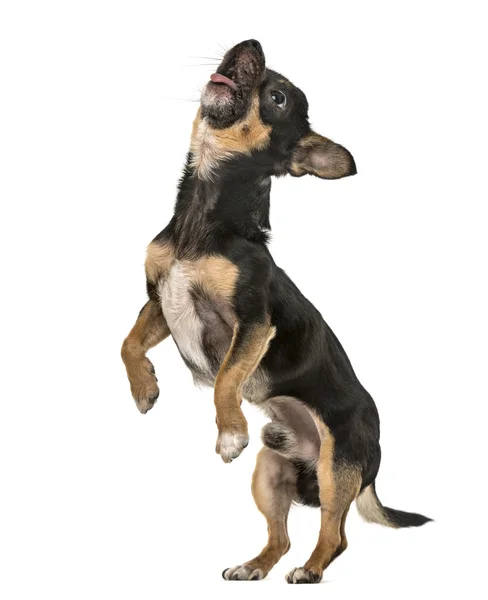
{"x": 278, "y": 98}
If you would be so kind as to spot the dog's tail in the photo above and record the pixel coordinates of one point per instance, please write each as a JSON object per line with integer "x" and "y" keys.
{"x": 371, "y": 509}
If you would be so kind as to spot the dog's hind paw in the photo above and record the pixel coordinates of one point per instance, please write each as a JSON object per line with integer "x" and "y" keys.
{"x": 242, "y": 573}
{"x": 303, "y": 575}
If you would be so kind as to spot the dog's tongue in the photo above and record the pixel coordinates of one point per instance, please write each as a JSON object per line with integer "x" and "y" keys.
{"x": 218, "y": 78}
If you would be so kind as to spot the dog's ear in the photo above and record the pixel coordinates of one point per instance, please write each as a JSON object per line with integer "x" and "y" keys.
{"x": 319, "y": 156}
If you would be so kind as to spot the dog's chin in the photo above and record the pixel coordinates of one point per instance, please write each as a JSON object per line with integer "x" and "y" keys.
{"x": 220, "y": 105}
{"x": 217, "y": 94}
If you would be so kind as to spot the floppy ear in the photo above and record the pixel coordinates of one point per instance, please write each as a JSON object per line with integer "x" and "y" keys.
{"x": 321, "y": 157}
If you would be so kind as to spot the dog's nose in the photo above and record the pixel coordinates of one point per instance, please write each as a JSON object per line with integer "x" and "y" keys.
{"x": 255, "y": 44}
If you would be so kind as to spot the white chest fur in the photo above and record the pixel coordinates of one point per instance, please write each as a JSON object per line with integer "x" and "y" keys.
{"x": 186, "y": 326}
{"x": 179, "y": 311}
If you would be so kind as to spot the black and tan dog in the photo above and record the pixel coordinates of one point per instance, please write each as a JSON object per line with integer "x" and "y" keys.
{"x": 243, "y": 327}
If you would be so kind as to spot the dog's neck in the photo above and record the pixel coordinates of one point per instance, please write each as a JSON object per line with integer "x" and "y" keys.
{"x": 235, "y": 203}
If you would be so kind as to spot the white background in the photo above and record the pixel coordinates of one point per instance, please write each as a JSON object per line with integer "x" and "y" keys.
{"x": 98, "y": 501}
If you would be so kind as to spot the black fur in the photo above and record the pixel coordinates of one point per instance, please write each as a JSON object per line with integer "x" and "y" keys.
{"x": 229, "y": 217}
{"x": 307, "y": 485}
{"x": 400, "y": 518}
{"x": 278, "y": 437}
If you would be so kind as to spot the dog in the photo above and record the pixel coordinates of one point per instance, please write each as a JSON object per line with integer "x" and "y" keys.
{"x": 243, "y": 327}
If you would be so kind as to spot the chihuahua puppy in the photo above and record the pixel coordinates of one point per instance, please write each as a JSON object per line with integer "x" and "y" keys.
{"x": 243, "y": 327}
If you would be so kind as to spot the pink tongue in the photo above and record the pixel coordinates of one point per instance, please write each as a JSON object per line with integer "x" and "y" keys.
{"x": 218, "y": 78}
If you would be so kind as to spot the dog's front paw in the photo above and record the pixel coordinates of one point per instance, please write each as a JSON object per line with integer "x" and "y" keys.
{"x": 303, "y": 575}
{"x": 231, "y": 444}
{"x": 144, "y": 387}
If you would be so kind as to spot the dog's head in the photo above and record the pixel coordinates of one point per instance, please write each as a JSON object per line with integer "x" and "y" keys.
{"x": 253, "y": 117}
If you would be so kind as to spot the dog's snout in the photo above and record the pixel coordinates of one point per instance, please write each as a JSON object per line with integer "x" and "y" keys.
{"x": 255, "y": 44}
{"x": 229, "y": 93}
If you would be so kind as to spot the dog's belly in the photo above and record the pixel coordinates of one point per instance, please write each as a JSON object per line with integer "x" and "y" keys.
{"x": 201, "y": 325}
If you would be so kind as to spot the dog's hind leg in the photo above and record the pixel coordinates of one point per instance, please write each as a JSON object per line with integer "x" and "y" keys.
{"x": 339, "y": 484}
{"x": 149, "y": 329}
{"x": 273, "y": 488}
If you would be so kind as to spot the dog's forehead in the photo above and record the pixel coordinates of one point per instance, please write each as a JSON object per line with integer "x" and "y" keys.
{"x": 274, "y": 78}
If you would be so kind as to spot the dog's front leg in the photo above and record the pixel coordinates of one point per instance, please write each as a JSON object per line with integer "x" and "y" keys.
{"x": 150, "y": 329}
{"x": 249, "y": 344}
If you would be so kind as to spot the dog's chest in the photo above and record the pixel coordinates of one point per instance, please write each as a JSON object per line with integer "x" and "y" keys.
{"x": 196, "y": 299}
{"x": 179, "y": 309}
{"x": 196, "y": 316}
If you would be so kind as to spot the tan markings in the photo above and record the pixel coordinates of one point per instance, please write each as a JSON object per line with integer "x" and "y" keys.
{"x": 239, "y": 364}
{"x": 214, "y": 273}
{"x": 158, "y": 261}
{"x": 339, "y": 485}
{"x": 209, "y": 146}
{"x": 273, "y": 489}
{"x": 218, "y": 275}
{"x": 343, "y": 543}
{"x": 149, "y": 329}
{"x": 321, "y": 426}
